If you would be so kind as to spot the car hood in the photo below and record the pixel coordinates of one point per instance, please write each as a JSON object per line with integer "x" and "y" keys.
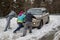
{"x": 38, "y": 16}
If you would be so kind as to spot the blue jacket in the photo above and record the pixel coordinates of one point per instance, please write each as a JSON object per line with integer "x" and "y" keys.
{"x": 21, "y": 18}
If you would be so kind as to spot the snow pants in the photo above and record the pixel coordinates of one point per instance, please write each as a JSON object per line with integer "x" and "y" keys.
{"x": 18, "y": 28}
{"x": 8, "y": 24}
{"x": 26, "y": 25}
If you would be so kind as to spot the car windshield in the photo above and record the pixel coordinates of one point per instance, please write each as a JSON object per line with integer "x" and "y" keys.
{"x": 35, "y": 11}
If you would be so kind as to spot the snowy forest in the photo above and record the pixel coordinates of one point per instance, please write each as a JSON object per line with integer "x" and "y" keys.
{"x": 53, "y": 6}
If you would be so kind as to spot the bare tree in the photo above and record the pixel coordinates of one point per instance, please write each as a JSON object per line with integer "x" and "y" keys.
{"x": 37, "y": 3}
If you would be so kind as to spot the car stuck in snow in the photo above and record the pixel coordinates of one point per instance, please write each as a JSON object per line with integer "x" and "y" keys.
{"x": 42, "y": 16}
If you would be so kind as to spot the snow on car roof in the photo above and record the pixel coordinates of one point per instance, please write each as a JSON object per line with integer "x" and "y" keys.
{"x": 38, "y": 8}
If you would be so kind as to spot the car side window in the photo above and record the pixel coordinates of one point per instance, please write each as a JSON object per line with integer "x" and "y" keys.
{"x": 44, "y": 11}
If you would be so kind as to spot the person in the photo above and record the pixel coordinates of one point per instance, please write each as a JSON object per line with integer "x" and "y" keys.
{"x": 20, "y": 20}
{"x": 9, "y": 17}
{"x": 28, "y": 23}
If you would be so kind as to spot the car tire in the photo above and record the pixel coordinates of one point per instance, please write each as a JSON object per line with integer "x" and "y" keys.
{"x": 41, "y": 24}
{"x": 48, "y": 20}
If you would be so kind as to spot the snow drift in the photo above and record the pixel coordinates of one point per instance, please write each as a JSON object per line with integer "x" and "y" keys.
{"x": 37, "y": 34}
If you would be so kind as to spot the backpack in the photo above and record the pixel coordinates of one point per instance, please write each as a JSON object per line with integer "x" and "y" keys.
{"x": 21, "y": 18}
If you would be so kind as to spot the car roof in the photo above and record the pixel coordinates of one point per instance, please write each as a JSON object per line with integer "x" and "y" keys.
{"x": 38, "y": 8}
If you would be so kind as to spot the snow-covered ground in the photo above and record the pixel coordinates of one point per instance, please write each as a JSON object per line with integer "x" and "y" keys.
{"x": 36, "y": 33}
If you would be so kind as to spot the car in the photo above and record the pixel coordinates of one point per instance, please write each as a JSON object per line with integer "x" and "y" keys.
{"x": 42, "y": 16}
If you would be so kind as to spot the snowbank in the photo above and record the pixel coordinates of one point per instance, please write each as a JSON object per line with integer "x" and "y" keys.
{"x": 35, "y": 35}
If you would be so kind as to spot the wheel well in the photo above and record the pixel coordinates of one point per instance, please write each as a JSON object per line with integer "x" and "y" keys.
{"x": 41, "y": 23}
{"x": 41, "y": 20}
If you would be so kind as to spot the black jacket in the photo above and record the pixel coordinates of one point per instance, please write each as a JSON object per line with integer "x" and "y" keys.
{"x": 29, "y": 17}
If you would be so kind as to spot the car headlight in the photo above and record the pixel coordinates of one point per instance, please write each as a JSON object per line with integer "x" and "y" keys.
{"x": 34, "y": 23}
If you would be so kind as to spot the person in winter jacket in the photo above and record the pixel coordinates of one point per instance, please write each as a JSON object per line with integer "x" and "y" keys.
{"x": 28, "y": 23}
{"x": 20, "y": 20}
{"x": 9, "y": 17}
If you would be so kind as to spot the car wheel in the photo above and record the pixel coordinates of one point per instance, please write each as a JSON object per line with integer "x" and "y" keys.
{"x": 41, "y": 24}
{"x": 33, "y": 27}
{"x": 47, "y": 21}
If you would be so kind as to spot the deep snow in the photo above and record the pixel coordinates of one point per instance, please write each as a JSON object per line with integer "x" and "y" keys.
{"x": 35, "y": 35}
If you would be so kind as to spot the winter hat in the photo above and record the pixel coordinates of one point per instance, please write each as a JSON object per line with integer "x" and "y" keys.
{"x": 20, "y": 13}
